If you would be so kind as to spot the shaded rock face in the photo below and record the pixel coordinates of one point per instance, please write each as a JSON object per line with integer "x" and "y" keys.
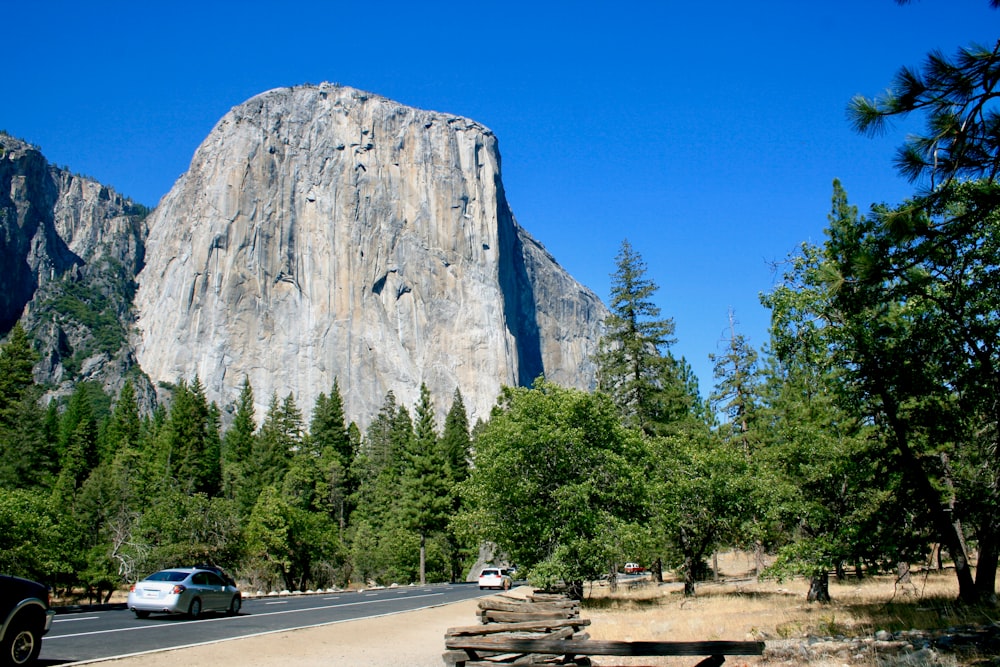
{"x": 322, "y": 232}
{"x": 69, "y": 252}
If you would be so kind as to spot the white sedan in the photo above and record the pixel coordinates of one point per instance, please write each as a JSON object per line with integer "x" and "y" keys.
{"x": 183, "y": 590}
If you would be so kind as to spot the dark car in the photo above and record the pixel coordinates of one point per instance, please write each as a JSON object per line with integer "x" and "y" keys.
{"x": 26, "y": 616}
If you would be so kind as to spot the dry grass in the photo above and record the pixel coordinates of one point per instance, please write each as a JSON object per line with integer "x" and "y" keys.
{"x": 742, "y": 609}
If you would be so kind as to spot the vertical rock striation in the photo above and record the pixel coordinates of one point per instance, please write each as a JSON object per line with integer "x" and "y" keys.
{"x": 322, "y": 232}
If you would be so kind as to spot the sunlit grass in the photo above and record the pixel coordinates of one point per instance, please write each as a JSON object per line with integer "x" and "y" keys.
{"x": 740, "y": 608}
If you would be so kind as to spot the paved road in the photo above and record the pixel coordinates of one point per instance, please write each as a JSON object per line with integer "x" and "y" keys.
{"x": 100, "y": 635}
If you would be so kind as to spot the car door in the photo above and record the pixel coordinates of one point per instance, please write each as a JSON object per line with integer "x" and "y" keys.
{"x": 217, "y": 588}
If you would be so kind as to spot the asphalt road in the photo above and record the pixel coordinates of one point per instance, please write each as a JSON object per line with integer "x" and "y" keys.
{"x": 80, "y": 637}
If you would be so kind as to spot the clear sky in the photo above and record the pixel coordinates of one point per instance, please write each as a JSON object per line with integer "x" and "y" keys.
{"x": 706, "y": 133}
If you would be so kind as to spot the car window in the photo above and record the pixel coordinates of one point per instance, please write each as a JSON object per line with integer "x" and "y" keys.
{"x": 213, "y": 579}
{"x": 200, "y": 578}
{"x": 491, "y": 573}
{"x": 167, "y": 575}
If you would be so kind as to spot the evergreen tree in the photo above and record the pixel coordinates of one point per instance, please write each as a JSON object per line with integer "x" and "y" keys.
{"x": 27, "y": 455}
{"x": 124, "y": 425}
{"x": 77, "y": 442}
{"x": 280, "y": 435}
{"x": 190, "y": 443}
{"x": 456, "y": 452}
{"x": 426, "y": 499}
{"x": 737, "y": 388}
{"x": 958, "y": 97}
{"x": 336, "y": 453}
{"x": 237, "y": 451}
{"x": 632, "y": 364}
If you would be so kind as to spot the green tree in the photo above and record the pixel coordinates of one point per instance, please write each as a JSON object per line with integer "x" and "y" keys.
{"x": 425, "y": 485}
{"x": 456, "y": 447}
{"x": 190, "y": 445}
{"x": 633, "y": 367}
{"x": 336, "y": 452}
{"x": 238, "y": 446}
{"x": 26, "y": 453}
{"x": 908, "y": 301}
{"x": 959, "y": 99}
{"x": 737, "y": 389}
{"x": 557, "y": 483}
{"x": 700, "y": 491}
{"x": 279, "y": 436}
{"x": 32, "y": 539}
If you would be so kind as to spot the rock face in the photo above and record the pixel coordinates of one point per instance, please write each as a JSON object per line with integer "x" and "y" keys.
{"x": 69, "y": 252}
{"x": 322, "y": 232}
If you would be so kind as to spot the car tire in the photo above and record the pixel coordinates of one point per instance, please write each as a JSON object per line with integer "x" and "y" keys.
{"x": 194, "y": 611}
{"x": 234, "y": 606}
{"x": 141, "y": 614}
{"x": 21, "y": 645}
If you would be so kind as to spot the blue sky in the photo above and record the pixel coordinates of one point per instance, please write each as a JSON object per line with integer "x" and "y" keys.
{"x": 706, "y": 133}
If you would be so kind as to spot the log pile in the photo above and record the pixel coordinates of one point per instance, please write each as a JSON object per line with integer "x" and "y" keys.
{"x": 506, "y": 619}
{"x": 547, "y": 629}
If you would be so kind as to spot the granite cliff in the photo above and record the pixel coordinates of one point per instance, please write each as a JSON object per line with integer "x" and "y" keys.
{"x": 322, "y": 232}
{"x": 70, "y": 248}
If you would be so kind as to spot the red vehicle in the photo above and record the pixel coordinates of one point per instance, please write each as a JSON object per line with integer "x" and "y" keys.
{"x": 634, "y": 568}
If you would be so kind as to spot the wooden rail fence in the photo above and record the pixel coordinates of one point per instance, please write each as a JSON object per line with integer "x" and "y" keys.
{"x": 547, "y": 629}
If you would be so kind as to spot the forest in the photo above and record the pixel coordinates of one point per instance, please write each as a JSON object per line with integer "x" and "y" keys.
{"x": 862, "y": 438}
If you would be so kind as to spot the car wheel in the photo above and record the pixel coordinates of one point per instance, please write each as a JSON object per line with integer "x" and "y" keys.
{"x": 234, "y": 606}
{"x": 21, "y": 645}
{"x": 141, "y": 614}
{"x": 194, "y": 611}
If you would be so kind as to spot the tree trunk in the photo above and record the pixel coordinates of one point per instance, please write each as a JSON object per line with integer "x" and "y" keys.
{"x": 758, "y": 558}
{"x": 658, "y": 571}
{"x": 575, "y": 589}
{"x": 423, "y": 559}
{"x": 986, "y": 567}
{"x": 948, "y": 527}
{"x": 819, "y": 588}
{"x": 902, "y": 572}
{"x": 688, "y": 577}
{"x": 715, "y": 566}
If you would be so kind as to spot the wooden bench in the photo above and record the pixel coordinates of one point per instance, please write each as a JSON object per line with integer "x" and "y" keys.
{"x": 483, "y": 651}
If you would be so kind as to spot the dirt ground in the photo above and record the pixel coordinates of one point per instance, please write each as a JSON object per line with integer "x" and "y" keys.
{"x": 410, "y": 639}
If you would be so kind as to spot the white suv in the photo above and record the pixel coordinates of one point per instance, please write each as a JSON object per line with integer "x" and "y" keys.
{"x": 494, "y": 577}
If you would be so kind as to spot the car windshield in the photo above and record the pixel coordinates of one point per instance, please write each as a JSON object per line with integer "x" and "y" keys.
{"x": 167, "y": 575}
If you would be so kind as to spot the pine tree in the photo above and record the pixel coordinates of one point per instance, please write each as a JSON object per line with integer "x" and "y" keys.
{"x": 633, "y": 367}
{"x": 27, "y": 456}
{"x": 426, "y": 499}
{"x": 737, "y": 388}
{"x": 336, "y": 453}
{"x": 456, "y": 452}
{"x": 237, "y": 450}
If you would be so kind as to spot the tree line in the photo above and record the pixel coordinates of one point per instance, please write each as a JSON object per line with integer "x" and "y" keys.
{"x": 94, "y": 494}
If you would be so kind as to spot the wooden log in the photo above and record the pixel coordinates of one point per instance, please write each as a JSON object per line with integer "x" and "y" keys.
{"x": 506, "y": 605}
{"x": 526, "y": 626}
{"x": 602, "y": 647}
{"x": 521, "y": 617}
